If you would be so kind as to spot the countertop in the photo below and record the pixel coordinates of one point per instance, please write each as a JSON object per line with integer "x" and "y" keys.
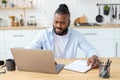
{"x": 65, "y": 74}
{"x": 43, "y": 27}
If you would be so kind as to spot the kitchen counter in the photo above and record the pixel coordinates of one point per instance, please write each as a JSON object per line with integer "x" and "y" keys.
{"x": 23, "y": 28}
{"x": 101, "y": 26}
{"x": 43, "y": 27}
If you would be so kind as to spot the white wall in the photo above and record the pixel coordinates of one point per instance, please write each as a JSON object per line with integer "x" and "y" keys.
{"x": 45, "y": 9}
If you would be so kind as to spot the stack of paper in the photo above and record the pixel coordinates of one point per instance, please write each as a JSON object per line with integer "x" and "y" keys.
{"x": 79, "y": 66}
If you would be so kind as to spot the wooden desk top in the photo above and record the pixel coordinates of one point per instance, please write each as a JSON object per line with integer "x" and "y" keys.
{"x": 64, "y": 74}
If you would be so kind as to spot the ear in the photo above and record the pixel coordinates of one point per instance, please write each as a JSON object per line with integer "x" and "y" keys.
{"x": 69, "y": 23}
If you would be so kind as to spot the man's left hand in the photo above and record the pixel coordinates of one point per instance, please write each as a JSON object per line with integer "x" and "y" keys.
{"x": 93, "y": 61}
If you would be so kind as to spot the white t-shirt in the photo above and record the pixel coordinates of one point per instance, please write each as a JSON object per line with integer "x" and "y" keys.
{"x": 59, "y": 45}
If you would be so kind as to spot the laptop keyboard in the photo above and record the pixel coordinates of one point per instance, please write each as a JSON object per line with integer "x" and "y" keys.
{"x": 58, "y": 66}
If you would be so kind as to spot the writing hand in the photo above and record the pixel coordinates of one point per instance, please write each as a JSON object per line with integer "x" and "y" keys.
{"x": 93, "y": 61}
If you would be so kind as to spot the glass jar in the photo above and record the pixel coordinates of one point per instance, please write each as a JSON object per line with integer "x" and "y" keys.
{"x": 31, "y": 21}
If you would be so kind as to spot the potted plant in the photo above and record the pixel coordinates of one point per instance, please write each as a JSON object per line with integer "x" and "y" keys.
{"x": 106, "y": 9}
{"x": 4, "y": 3}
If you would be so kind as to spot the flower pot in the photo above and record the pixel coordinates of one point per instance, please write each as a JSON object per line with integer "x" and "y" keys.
{"x": 12, "y": 5}
{"x": 106, "y": 12}
{"x": 4, "y": 5}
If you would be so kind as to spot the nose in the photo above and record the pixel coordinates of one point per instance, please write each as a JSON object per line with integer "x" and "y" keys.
{"x": 58, "y": 25}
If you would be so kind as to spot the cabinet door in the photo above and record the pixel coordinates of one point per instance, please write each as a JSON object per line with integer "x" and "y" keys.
{"x": 16, "y": 38}
{"x": 2, "y": 45}
{"x": 106, "y": 48}
{"x": 1, "y": 36}
{"x": 102, "y": 39}
{"x": 35, "y": 32}
{"x": 118, "y": 48}
{"x": 8, "y": 54}
{"x": 2, "y": 51}
{"x": 95, "y": 33}
{"x": 117, "y": 42}
{"x": 18, "y": 35}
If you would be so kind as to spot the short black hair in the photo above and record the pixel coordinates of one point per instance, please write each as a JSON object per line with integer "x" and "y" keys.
{"x": 63, "y": 9}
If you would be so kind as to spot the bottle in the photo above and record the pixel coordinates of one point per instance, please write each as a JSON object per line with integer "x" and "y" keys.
{"x": 12, "y": 20}
{"x": 16, "y": 24}
{"x": 21, "y": 20}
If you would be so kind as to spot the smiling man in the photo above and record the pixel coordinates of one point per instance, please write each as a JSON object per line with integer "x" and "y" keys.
{"x": 63, "y": 40}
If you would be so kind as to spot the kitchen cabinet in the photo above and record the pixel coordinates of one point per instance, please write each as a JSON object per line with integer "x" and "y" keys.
{"x": 2, "y": 45}
{"x": 118, "y": 48}
{"x": 106, "y": 48}
{"x": 118, "y": 42}
{"x": 105, "y": 40}
{"x": 16, "y": 38}
{"x": 35, "y": 32}
{"x": 102, "y": 39}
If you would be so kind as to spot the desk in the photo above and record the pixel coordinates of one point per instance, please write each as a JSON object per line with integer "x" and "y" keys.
{"x": 64, "y": 74}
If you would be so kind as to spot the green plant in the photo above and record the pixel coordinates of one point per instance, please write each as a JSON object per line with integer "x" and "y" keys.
{"x": 1, "y": 19}
{"x": 4, "y": 1}
{"x": 106, "y": 8}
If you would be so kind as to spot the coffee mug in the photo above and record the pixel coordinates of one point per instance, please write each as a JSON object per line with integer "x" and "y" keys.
{"x": 1, "y": 62}
{"x": 10, "y": 65}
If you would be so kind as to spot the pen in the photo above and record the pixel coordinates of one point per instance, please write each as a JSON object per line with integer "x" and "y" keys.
{"x": 107, "y": 61}
{"x": 107, "y": 64}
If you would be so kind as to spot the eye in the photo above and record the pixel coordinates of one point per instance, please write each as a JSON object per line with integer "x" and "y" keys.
{"x": 55, "y": 22}
{"x": 62, "y": 23}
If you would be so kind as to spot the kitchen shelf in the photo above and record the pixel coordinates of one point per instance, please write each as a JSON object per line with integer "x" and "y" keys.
{"x": 15, "y": 8}
{"x": 18, "y": 8}
{"x": 106, "y": 4}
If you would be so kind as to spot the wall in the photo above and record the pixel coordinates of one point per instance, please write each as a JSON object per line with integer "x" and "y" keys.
{"x": 45, "y": 9}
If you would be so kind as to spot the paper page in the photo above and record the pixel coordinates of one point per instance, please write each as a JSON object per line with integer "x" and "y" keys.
{"x": 79, "y": 66}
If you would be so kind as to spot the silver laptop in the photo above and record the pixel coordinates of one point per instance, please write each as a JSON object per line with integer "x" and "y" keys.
{"x": 35, "y": 60}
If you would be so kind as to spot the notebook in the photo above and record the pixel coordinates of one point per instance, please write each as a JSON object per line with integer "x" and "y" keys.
{"x": 35, "y": 60}
{"x": 78, "y": 66}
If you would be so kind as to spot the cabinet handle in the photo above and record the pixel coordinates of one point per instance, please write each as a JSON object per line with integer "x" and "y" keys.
{"x": 18, "y": 35}
{"x": 116, "y": 49}
{"x": 89, "y": 33}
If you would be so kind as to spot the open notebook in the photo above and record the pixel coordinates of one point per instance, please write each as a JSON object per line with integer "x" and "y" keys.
{"x": 78, "y": 66}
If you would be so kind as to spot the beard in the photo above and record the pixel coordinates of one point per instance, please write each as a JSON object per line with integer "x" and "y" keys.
{"x": 63, "y": 32}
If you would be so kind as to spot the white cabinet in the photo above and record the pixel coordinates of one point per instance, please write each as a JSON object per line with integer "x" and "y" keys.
{"x": 1, "y": 36}
{"x": 106, "y": 48}
{"x": 16, "y": 38}
{"x": 35, "y": 32}
{"x": 2, "y": 45}
{"x": 118, "y": 48}
{"x": 103, "y": 39}
{"x": 118, "y": 42}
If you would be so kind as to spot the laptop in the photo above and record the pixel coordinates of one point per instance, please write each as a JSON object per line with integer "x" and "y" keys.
{"x": 35, "y": 60}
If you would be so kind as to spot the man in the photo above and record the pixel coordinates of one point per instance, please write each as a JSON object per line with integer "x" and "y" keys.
{"x": 63, "y": 40}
